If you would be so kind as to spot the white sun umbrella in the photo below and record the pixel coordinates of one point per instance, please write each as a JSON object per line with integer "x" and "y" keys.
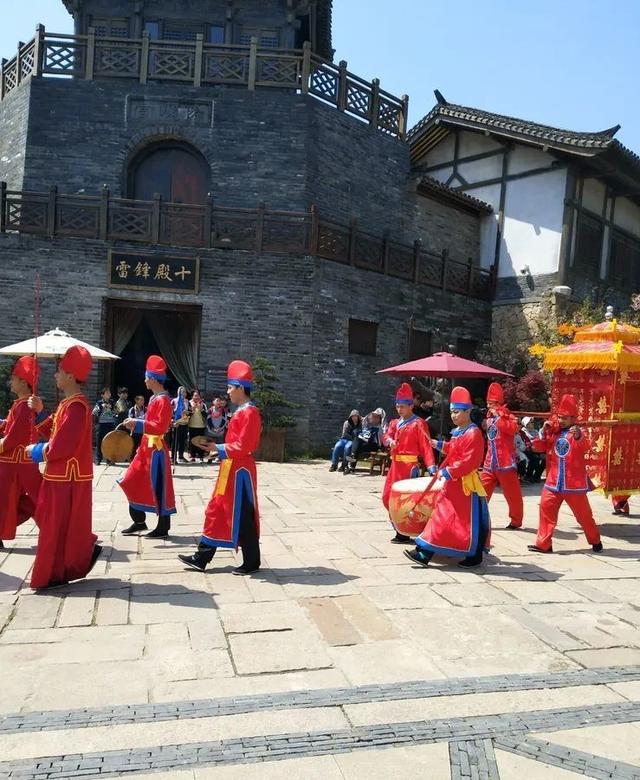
{"x": 54, "y": 344}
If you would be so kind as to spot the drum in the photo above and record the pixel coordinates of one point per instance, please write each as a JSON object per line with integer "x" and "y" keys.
{"x": 408, "y": 517}
{"x": 117, "y": 446}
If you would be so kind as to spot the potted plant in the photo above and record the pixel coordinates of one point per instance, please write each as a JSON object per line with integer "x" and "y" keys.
{"x": 272, "y": 405}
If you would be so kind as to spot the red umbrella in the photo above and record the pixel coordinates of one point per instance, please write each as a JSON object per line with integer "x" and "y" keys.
{"x": 444, "y": 364}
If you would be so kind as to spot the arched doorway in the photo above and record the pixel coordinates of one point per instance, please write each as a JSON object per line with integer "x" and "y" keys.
{"x": 174, "y": 170}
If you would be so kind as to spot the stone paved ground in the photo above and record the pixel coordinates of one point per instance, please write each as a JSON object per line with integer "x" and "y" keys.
{"x": 339, "y": 660}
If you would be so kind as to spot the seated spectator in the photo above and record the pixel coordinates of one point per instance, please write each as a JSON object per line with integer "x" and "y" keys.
{"x": 368, "y": 440}
{"x": 137, "y": 412}
{"x": 535, "y": 460}
{"x": 122, "y": 405}
{"x": 521, "y": 457}
{"x": 351, "y": 427}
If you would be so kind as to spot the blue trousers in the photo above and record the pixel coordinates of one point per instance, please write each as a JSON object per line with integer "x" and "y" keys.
{"x": 341, "y": 451}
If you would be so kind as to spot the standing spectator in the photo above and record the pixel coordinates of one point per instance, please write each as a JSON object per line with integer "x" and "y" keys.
{"x": 122, "y": 405}
{"x": 180, "y": 406}
{"x": 105, "y": 415}
{"x": 351, "y": 427}
{"x": 535, "y": 460}
{"x": 521, "y": 455}
{"x": 217, "y": 421}
{"x": 368, "y": 440}
{"x": 137, "y": 412}
{"x": 197, "y": 424}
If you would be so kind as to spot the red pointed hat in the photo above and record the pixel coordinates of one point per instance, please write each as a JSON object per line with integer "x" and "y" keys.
{"x": 77, "y": 361}
{"x": 156, "y": 368}
{"x": 27, "y": 368}
{"x": 460, "y": 398}
{"x": 404, "y": 394}
{"x": 568, "y": 406}
{"x": 240, "y": 374}
{"x": 495, "y": 393}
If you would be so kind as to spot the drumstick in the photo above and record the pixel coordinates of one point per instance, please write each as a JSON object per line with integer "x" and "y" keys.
{"x": 428, "y": 488}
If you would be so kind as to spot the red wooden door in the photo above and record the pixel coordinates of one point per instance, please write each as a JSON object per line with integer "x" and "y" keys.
{"x": 174, "y": 173}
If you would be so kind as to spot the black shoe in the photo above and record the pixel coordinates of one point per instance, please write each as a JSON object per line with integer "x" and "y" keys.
{"x": 97, "y": 552}
{"x": 193, "y": 561}
{"x": 597, "y": 547}
{"x": 1, "y": 545}
{"x": 110, "y": 463}
{"x": 333, "y": 467}
{"x": 341, "y": 467}
{"x": 242, "y": 571}
{"x": 418, "y": 557}
{"x": 512, "y": 527}
{"x": 157, "y": 533}
{"x": 135, "y": 528}
{"x": 470, "y": 563}
{"x": 401, "y": 539}
{"x": 535, "y": 548}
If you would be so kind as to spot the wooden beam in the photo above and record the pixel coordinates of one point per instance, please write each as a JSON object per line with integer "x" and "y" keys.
{"x": 462, "y": 160}
{"x": 503, "y": 196}
{"x": 513, "y": 177}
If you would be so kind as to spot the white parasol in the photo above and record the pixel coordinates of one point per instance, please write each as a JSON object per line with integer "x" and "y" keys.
{"x": 53, "y": 344}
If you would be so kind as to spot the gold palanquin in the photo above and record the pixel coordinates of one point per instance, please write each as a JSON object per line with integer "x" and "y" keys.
{"x": 602, "y": 370}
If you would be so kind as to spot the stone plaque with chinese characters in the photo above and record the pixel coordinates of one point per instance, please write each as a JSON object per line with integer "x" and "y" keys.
{"x": 146, "y": 271}
{"x": 159, "y": 110}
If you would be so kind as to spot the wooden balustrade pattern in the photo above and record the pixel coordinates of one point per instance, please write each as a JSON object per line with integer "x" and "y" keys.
{"x": 198, "y": 63}
{"x": 157, "y": 222}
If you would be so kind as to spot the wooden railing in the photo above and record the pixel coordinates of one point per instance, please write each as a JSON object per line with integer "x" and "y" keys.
{"x": 198, "y": 63}
{"x": 157, "y": 222}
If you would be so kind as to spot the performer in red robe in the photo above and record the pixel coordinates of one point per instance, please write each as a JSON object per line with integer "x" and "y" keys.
{"x": 19, "y": 476}
{"x": 147, "y": 483}
{"x": 459, "y": 525}
{"x": 500, "y": 466}
{"x": 408, "y": 441}
{"x": 232, "y": 516}
{"x": 565, "y": 447}
{"x": 67, "y": 548}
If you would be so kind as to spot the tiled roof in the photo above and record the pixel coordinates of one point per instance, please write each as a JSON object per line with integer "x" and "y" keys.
{"x": 441, "y": 191}
{"x": 510, "y": 126}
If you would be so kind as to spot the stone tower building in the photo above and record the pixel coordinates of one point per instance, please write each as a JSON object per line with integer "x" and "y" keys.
{"x": 199, "y": 177}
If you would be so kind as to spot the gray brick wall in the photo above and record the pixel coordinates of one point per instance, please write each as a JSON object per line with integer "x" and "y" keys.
{"x": 294, "y": 311}
{"x": 14, "y": 112}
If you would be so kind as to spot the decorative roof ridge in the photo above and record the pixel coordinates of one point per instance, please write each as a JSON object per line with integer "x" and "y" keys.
{"x": 596, "y": 140}
{"x": 440, "y": 188}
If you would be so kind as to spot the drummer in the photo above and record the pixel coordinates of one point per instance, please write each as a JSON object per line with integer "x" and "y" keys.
{"x": 148, "y": 483}
{"x": 408, "y": 442}
{"x": 459, "y": 525}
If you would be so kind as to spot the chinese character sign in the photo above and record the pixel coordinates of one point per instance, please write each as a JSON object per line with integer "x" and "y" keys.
{"x": 154, "y": 272}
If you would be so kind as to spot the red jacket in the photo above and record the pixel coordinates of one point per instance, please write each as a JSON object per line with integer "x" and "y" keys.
{"x": 17, "y": 431}
{"x": 566, "y": 469}
{"x": 501, "y": 449}
{"x": 139, "y": 480}
{"x": 68, "y": 454}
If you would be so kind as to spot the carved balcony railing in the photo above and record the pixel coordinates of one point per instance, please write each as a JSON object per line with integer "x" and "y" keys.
{"x": 209, "y": 226}
{"x": 202, "y": 64}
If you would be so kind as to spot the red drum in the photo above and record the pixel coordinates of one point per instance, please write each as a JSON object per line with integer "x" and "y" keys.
{"x": 408, "y": 517}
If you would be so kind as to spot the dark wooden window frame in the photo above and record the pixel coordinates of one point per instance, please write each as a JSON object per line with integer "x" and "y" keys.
{"x": 363, "y": 337}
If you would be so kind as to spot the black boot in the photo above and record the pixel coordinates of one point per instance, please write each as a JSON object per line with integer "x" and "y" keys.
{"x": 421, "y": 557}
{"x": 97, "y": 551}
{"x": 162, "y": 529}
{"x": 135, "y": 529}
{"x": 200, "y": 558}
{"x": 401, "y": 539}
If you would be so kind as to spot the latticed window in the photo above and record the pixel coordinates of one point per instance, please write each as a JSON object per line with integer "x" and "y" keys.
{"x": 180, "y": 33}
{"x": 267, "y": 39}
{"x": 363, "y": 337}
{"x": 624, "y": 261}
{"x": 588, "y": 250}
{"x": 110, "y": 27}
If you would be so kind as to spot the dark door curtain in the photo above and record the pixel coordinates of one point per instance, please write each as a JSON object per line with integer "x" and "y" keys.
{"x": 178, "y": 336}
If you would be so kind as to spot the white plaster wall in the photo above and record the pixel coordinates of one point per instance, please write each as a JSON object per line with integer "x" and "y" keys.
{"x": 441, "y": 153}
{"x": 593, "y": 195}
{"x": 476, "y": 143}
{"x": 480, "y": 170}
{"x": 627, "y": 216}
{"x": 489, "y": 224}
{"x": 534, "y": 208}
{"x": 526, "y": 158}
{"x": 442, "y": 175}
